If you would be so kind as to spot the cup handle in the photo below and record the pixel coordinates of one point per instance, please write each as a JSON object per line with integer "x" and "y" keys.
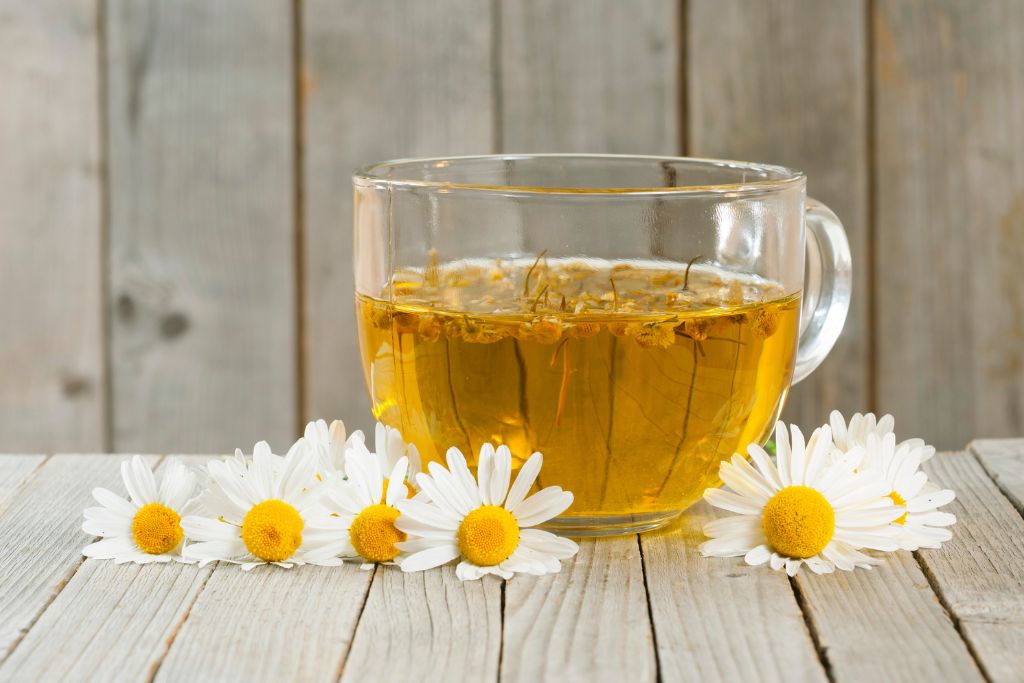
{"x": 827, "y": 286}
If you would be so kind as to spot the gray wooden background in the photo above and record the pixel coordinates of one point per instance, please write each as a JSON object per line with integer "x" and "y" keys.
{"x": 175, "y": 203}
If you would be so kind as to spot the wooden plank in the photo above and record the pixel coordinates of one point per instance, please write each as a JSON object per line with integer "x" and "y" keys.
{"x": 14, "y": 471}
{"x": 109, "y": 618}
{"x": 202, "y": 214}
{"x": 950, "y": 216}
{"x": 429, "y": 626}
{"x": 269, "y": 624}
{"x": 379, "y": 79}
{"x": 785, "y": 81}
{"x": 719, "y": 619}
{"x": 589, "y": 622}
{"x": 885, "y": 624}
{"x": 51, "y": 350}
{"x": 979, "y": 574}
{"x": 1003, "y": 459}
{"x": 43, "y": 539}
{"x": 596, "y": 76}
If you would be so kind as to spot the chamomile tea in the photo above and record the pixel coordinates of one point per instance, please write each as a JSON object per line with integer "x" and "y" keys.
{"x": 631, "y": 377}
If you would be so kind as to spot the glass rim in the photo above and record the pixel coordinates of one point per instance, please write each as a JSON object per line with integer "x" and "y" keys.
{"x": 370, "y": 175}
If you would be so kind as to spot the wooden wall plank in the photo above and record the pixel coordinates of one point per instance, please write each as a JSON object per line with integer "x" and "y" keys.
{"x": 885, "y": 624}
{"x": 589, "y": 622}
{"x": 427, "y": 626}
{"x": 380, "y": 79}
{"x": 53, "y": 389}
{"x": 980, "y": 572}
{"x": 202, "y": 260}
{"x": 1003, "y": 460}
{"x": 950, "y": 217}
{"x": 596, "y": 76}
{"x": 786, "y": 81}
{"x": 269, "y": 624}
{"x": 720, "y": 619}
{"x": 42, "y": 537}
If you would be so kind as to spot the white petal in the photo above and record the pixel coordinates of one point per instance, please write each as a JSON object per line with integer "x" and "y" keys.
{"x": 765, "y": 466}
{"x": 547, "y": 542}
{"x": 524, "y": 481}
{"x": 426, "y": 513}
{"x": 757, "y": 555}
{"x": 726, "y": 500}
{"x": 110, "y": 548}
{"x": 782, "y": 455}
{"x": 177, "y": 484}
{"x": 139, "y": 481}
{"x": 484, "y": 469}
{"x": 428, "y": 559}
{"x": 542, "y": 506}
{"x": 396, "y": 485}
{"x": 463, "y": 477}
{"x": 931, "y": 501}
{"x": 501, "y": 475}
{"x": 114, "y": 502}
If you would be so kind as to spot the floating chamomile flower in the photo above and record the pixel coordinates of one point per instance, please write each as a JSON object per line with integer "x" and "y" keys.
{"x": 365, "y": 506}
{"x": 482, "y": 520}
{"x": 264, "y": 510}
{"x": 146, "y": 528}
{"x": 899, "y": 466}
{"x": 810, "y": 509}
{"x": 856, "y": 432}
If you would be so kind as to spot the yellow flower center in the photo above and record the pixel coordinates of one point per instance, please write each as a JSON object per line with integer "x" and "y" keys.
{"x": 156, "y": 529}
{"x": 798, "y": 522}
{"x": 898, "y": 499}
{"x": 373, "y": 533}
{"x": 272, "y": 530}
{"x": 488, "y": 535}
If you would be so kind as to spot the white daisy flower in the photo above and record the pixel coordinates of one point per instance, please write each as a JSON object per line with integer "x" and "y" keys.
{"x": 147, "y": 527}
{"x": 329, "y": 444}
{"x": 482, "y": 520}
{"x": 264, "y": 510}
{"x": 365, "y": 505}
{"x": 809, "y": 509}
{"x": 899, "y": 466}
{"x": 847, "y": 436}
{"x": 389, "y": 448}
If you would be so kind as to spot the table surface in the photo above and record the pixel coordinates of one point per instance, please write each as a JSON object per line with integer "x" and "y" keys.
{"x": 632, "y": 608}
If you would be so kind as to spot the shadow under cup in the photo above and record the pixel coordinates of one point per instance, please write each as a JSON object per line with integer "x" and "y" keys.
{"x": 635, "y": 319}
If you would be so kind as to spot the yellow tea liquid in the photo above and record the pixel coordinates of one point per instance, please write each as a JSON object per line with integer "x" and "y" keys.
{"x": 634, "y": 379}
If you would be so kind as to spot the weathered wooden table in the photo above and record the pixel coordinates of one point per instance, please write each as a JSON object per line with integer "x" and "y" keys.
{"x": 626, "y": 609}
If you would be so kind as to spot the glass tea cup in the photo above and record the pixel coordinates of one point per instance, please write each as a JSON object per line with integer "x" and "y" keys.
{"x": 635, "y": 319}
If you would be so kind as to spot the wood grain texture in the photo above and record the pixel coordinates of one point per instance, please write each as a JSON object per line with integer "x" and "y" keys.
{"x": 706, "y": 611}
{"x": 201, "y": 248}
{"x": 43, "y": 539}
{"x": 1003, "y": 460}
{"x": 785, "y": 81}
{"x": 885, "y": 625}
{"x": 979, "y": 574}
{"x": 596, "y": 76}
{"x": 379, "y": 79}
{"x": 589, "y": 622}
{"x": 427, "y": 626}
{"x": 270, "y": 624}
{"x": 14, "y": 471}
{"x": 950, "y": 216}
{"x": 51, "y": 300}
{"x": 112, "y": 622}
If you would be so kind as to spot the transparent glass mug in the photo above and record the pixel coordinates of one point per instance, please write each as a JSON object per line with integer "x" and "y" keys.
{"x": 635, "y": 319}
